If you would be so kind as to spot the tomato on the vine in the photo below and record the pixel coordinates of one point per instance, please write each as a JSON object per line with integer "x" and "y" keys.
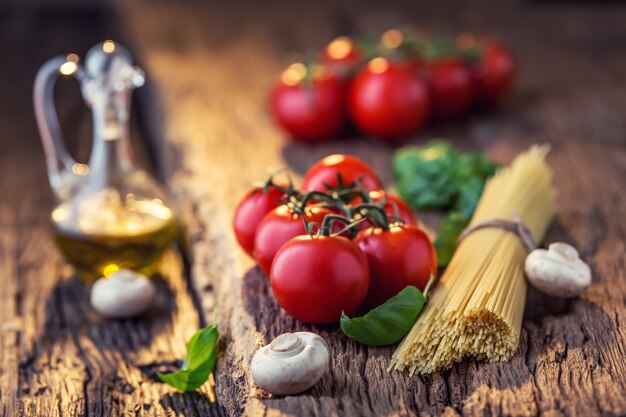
{"x": 397, "y": 257}
{"x": 277, "y": 227}
{"x": 309, "y": 103}
{"x": 493, "y": 74}
{"x": 352, "y": 169}
{"x": 341, "y": 55}
{"x": 395, "y": 206}
{"x": 387, "y": 100}
{"x": 255, "y": 204}
{"x": 315, "y": 278}
{"x": 450, "y": 88}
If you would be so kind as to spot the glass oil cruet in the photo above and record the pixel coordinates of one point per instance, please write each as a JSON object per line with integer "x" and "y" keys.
{"x": 109, "y": 214}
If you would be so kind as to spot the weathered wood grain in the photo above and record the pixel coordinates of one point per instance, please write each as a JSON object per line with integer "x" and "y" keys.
{"x": 212, "y": 65}
{"x": 57, "y": 357}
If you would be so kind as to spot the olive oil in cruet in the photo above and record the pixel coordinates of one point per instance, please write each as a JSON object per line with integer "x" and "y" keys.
{"x": 110, "y": 214}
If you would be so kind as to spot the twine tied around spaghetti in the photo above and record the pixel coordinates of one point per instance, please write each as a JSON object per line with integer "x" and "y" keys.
{"x": 557, "y": 271}
{"x": 516, "y": 226}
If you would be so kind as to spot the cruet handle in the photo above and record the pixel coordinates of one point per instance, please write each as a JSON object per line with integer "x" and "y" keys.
{"x": 63, "y": 171}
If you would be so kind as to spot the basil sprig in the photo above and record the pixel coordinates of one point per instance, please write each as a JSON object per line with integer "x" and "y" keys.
{"x": 389, "y": 322}
{"x": 199, "y": 362}
{"x": 448, "y": 233}
{"x": 439, "y": 177}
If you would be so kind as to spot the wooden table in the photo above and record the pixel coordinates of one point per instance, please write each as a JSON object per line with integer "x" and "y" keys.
{"x": 202, "y": 122}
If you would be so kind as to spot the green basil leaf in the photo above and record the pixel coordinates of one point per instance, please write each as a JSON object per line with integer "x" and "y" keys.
{"x": 469, "y": 193}
{"x": 387, "y": 323}
{"x": 478, "y": 165}
{"x": 447, "y": 235}
{"x": 187, "y": 380}
{"x": 426, "y": 176}
{"x": 436, "y": 176}
{"x": 199, "y": 362}
{"x": 200, "y": 347}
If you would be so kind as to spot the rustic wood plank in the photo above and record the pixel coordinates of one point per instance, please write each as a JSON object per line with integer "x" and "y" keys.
{"x": 57, "y": 357}
{"x": 212, "y": 65}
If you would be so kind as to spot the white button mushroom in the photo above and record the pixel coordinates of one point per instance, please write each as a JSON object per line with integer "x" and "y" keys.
{"x": 292, "y": 363}
{"x": 558, "y": 271}
{"x": 123, "y": 294}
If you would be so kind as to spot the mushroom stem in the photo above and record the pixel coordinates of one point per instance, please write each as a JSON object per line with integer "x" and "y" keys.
{"x": 285, "y": 345}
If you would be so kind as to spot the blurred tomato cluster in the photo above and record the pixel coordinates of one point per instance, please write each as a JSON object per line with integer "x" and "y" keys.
{"x": 388, "y": 88}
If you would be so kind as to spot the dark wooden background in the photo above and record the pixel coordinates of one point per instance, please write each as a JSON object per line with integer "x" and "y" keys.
{"x": 202, "y": 125}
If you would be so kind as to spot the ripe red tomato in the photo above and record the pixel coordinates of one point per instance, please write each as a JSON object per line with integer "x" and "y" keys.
{"x": 387, "y": 101}
{"x": 450, "y": 88}
{"x": 393, "y": 206}
{"x": 493, "y": 74}
{"x": 277, "y": 227}
{"x": 397, "y": 257}
{"x": 311, "y": 110}
{"x": 394, "y": 203}
{"x": 351, "y": 169}
{"x": 249, "y": 212}
{"x": 315, "y": 278}
{"x": 341, "y": 55}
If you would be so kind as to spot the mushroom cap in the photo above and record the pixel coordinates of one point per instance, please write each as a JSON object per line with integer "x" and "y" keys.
{"x": 291, "y": 363}
{"x": 558, "y": 271}
{"x": 123, "y": 294}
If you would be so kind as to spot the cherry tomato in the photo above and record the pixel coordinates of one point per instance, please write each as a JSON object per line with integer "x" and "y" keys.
{"x": 387, "y": 101}
{"x": 450, "y": 88}
{"x": 493, "y": 74}
{"x": 405, "y": 213}
{"x": 341, "y": 55}
{"x": 394, "y": 207}
{"x": 397, "y": 257}
{"x": 351, "y": 169}
{"x": 312, "y": 109}
{"x": 315, "y": 278}
{"x": 253, "y": 206}
{"x": 277, "y": 227}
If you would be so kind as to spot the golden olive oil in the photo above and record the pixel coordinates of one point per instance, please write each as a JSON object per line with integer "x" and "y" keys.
{"x": 100, "y": 255}
{"x": 99, "y": 239}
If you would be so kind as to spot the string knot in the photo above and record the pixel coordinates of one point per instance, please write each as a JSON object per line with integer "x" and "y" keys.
{"x": 516, "y": 226}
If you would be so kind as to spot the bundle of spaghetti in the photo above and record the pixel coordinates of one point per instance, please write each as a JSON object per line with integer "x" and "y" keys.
{"x": 477, "y": 306}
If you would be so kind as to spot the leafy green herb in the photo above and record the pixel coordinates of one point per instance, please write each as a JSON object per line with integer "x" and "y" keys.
{"x": 387, "y": 323}
{"x": 447, "y": 235}
{"x": 426, "y": 175}
{"x": 438, "y": 176}
{"x": 468, "y": 195}
{"x": 434, "y": 176}
{"x": 199, "y": 362}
